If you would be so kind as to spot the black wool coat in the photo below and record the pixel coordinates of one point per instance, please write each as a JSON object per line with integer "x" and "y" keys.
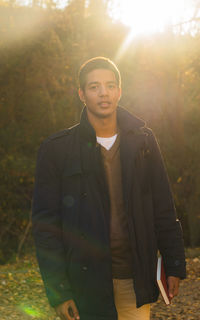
{"x": 71, "y": 217}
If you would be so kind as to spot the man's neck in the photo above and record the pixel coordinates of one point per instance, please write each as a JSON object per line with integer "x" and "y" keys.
{"x": 104, "y": 127}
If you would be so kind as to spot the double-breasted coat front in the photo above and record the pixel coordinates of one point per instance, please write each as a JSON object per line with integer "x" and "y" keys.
{"x": 71, "y": 217}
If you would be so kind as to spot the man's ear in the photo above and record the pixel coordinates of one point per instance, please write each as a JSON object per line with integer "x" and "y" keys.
{"x": 81, "y": 95}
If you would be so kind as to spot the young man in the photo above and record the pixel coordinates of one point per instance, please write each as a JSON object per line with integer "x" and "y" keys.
{"x": 102, "y": 208}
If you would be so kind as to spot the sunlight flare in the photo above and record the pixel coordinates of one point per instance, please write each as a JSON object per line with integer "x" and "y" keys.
{"x": 147, "y": 17}
{"x": 31, "y": 311}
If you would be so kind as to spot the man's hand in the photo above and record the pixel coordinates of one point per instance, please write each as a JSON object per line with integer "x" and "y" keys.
{"x": 173, "y": 286}
{"x": 67, "y": 311}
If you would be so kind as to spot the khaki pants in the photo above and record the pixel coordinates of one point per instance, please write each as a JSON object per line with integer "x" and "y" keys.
{"x": 125, "y": 301}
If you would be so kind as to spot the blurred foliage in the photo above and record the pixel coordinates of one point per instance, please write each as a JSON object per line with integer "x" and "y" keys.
{"x": 41, "y": 50}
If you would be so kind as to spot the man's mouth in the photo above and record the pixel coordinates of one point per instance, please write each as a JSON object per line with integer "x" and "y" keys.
{"x": 104, "y": 103}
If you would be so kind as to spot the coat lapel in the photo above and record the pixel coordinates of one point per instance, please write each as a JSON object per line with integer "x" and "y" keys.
{"x": 132, "y": 141}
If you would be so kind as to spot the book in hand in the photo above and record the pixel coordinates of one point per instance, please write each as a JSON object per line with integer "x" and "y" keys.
{"x": 161, "y": 281}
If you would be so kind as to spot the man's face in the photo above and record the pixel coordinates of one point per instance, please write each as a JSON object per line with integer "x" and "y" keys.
{"x": 101, "y": 94}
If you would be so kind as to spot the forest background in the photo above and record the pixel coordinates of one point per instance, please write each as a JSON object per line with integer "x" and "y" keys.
{"x": 41, "y": 50}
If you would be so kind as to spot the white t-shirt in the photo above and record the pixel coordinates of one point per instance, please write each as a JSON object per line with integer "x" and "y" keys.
{"x": 107, "y": 143}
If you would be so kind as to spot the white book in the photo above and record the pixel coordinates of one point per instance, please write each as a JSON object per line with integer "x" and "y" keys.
{"x": 161, "y": 281}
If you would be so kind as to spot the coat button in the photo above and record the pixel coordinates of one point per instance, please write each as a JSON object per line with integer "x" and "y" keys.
{"x": 177, "y": 263}
{"x": 84, "y": 194}
{"x": 84, "y": 268}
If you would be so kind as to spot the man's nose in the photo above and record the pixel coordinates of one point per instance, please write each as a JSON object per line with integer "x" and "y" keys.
{"x": 103, "y": 90}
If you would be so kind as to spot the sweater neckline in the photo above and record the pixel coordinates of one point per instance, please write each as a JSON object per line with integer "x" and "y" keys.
{"x": 109, "y": 154}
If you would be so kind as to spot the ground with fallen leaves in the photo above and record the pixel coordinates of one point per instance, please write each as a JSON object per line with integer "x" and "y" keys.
{"x": 22, "y": 294}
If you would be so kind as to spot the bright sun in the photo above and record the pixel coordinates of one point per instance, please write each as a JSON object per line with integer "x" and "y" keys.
{"x": 151, "y": 16}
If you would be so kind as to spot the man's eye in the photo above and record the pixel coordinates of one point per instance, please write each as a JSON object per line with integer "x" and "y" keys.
{"x": 111, "y": 86}
{"x": 93, "y": 87}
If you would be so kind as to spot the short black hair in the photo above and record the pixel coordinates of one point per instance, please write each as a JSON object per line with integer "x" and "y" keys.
{"x": 97, "y": 63}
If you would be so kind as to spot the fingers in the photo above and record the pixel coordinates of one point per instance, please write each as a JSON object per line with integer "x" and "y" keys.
{"x": 74, "y": 311}
{"x": 67, "y": 311}
{"x": 173, "y": 286}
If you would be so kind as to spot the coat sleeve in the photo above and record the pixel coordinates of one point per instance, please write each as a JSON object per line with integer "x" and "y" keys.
{"x": 46, "y": 222}
{"x": 167, "y": 227}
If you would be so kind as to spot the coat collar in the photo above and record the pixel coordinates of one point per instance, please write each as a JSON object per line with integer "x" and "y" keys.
{"x": 126, "y": 122}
